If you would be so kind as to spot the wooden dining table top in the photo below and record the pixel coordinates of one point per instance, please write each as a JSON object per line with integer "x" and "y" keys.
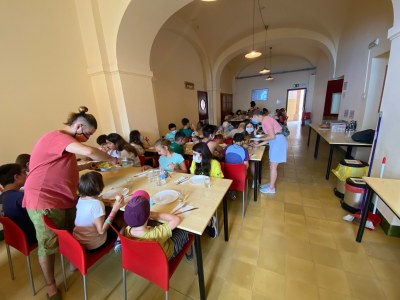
{"x": 205, "y": 199}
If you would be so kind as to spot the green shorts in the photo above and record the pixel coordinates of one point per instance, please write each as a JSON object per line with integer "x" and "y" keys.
{"x": 47, "y": 239}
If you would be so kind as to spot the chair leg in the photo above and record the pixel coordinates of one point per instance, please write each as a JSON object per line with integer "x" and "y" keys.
{"x": 63, "y": 271}
{"x": 166, "y": 295}
{"x": 28, "y": 262}
{"x": 124, "y": 282}
{"x": 84, "y": 286}
{"x": 10, "y": 264}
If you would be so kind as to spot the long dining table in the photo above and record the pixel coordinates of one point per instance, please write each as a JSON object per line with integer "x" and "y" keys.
{"x": 206, "y": 200}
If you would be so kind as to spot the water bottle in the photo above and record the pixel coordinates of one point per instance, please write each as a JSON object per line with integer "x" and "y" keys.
{"x": 163, "y": 176}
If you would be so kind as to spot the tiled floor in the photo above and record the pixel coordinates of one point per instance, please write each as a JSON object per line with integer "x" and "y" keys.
{"x": 292, "y": 245}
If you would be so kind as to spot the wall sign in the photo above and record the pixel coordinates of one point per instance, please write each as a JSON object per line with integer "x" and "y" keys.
{"x": 189, "y": 85}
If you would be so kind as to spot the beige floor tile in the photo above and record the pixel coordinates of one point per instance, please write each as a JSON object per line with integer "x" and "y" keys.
{"x": 298, "y": 290}
{"x": 391, "y": 289}
{"x": 294, "y": 209}
{"x": 380, "y": 251}
{"x": 294, "y": 219}
{"x": 299, "y": 248}
{"x": 273, "y": 242}
{"x": 332, "y": 279}
{"x": 241, "y": 274}
{"x": 312, "y": 203}
{"x": 386, "y": 270}
{"x": 247, "y": 253}
{"x": 231, "y": 291}
{"x": 349, "y": 245}
{"x": 364, "y": 288}
{"x": 314, "y": 212}
{"x": 272, "y": 261}
{"x": 300, "y": 269}
{"x": 321, "y": 238}
{"x": 326, "y": 256}
{"x": 325, "y": 294}
{"x": 269, "y": 284}
{"x": 357, "y": 263}
{"x": 296, "y": 232}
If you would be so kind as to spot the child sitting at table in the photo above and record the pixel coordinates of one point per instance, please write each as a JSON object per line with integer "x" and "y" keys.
{"x": 136, "y": 216}
{"x": 170, "y": 136}
{"x": 204, "y": 164}
{"x": 169, "y": 161}
{"x": 23, "y": 160}
{"x": 92, "y": 230}
{"x": 236, "y": 153}
{"x": 102, "y": 142}
{"x": 186, "y": 127}
{"x": 120, "y": 148}
{"x": 12, "y": 178}
{"x": 178, "y": 145}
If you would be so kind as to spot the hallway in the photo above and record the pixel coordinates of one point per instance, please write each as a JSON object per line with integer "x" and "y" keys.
{"x": 292, "y": 245}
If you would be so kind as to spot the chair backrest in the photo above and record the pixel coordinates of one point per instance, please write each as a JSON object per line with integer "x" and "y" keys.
{"x": 15, "y": 236}
{"x": 69, "y": 246}
{"x": 142, "y": 159}
{"x": 228, "y": 141}
{"x": 146, "y": 259}
{"x": 236, "y": 172}
{"x": 188, "y": 163}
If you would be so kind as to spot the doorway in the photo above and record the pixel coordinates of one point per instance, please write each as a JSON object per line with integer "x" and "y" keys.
{"x": 295, "y": 103}
{"x": 332, "y": 99}
{"x": 226, "y": 105}
{"x": 202, "y": 106}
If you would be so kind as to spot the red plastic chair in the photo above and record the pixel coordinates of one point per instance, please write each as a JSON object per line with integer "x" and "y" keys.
{"x": 15, "y": 237}
{"x": 75, "y": 253}
{"x": 142, "y": 159}
{"x": 238, "y": 173}
{"x": 188, "y": 163}
{"x": 228, "y": 141}
{"x": 147, "y": 259}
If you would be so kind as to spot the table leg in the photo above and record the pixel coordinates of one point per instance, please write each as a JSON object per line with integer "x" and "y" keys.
{"x": 364, "y": 215}
{"x": 259, "y": 172}
{"x": 317, "y": 146}
{"x": 348, "y": 151}
{"x": 309, "y": 134}
{"x": 225, "y": 208}
{"x": 200, "y": 271}
{"x": 255, "y": 180}
{"x": 328, "y": 167}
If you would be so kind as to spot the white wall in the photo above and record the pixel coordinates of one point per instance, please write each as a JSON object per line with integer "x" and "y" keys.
{"x": 43, "y": 74}
{"x": 277, "y": 87}
{"x": 173, "y": 61}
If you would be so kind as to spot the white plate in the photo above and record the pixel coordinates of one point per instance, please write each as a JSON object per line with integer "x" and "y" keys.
{"x": 111, "y": 194}
{"x": 197, "y": 179}
{"x": 165, "y": 197}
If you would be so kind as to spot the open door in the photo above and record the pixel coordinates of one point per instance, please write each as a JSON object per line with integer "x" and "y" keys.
{"x": 295, "y": 103}
{"x": 332, "y": 99}
{"x": 203, "y": 106}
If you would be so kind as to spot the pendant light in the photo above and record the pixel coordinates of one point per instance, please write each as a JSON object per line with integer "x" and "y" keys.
{"x": 265, "y": 70}
{"x": 253, "y": 53}
{"x": 269, "y": 77}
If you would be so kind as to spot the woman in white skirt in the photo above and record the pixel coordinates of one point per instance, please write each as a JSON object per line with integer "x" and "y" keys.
{"x": 277, "y": 147}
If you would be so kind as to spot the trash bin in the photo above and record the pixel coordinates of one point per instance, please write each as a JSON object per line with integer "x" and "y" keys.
{"x": 354, "y": 192}
{"x": 348, "y": 168}
{"x": 305, "y": 118}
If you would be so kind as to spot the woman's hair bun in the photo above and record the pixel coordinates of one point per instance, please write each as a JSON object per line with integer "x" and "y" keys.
{"x": 83, "y": 109}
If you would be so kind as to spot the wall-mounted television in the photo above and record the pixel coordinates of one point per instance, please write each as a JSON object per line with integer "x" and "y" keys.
{"x": 259, "y": 95}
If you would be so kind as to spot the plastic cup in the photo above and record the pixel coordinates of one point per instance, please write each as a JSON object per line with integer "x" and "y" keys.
{"x": 207, "y": 182}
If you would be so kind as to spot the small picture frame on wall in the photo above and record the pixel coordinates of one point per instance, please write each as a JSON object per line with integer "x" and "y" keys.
{"x": 189, "y": 85}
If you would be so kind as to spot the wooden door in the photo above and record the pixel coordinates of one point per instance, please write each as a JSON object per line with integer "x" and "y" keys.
{"x": 332, "y": 99}
{"x": 226, "y": 105}
{"x": 202, "y": 105}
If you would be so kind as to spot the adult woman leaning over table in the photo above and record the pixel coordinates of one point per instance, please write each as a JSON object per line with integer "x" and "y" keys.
{"x": 277, "y": 147}
{"x": 51, "y": 188}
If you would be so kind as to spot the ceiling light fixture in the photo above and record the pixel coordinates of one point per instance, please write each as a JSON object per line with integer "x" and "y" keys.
{"x": 265, "y": 70}
{"x": 269, "y": 77}
{"x": 253, "y": 53}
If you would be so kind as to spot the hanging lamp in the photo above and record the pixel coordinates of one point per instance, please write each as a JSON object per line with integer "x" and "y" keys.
{"x": 253, "y": 53}
{"x": 265, "y": 70}
{"x": 269, "y": 77}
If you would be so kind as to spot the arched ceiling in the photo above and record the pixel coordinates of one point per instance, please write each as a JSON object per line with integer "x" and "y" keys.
{"x": 223, "y": 23}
